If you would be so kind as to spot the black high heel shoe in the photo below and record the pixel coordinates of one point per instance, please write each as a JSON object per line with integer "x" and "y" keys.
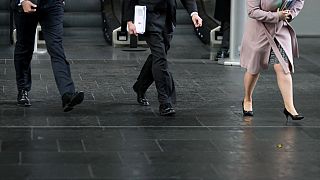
{"x": 246, "y": 113}
{"x": 293, "y": 117}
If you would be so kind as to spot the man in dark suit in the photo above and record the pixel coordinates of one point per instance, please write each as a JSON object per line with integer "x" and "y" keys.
{"x": 49, "y": 13}
{"x": 222, "y": 13}
{"x": 161, "y": 20}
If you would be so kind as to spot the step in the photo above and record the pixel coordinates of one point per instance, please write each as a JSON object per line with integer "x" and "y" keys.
{"x": 82, "y": 6}
{"x": 4, "y": 18}
{"x": 83, "y": 35}
{"x": 183, "y": 17}
{"x": 4, "y": 35}
{"x": 184, "y": 29}
{"x": 5, "y": 5}
{"x": 82, "y": 19}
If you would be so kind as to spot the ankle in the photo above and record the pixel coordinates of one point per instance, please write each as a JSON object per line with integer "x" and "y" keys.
{"x": 291, "y": 110}
{"x": 247, "y": 100}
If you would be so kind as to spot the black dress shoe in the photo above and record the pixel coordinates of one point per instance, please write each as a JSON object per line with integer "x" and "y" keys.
{"x": 246, "y": 113}
{"x": 23, "y": 99}
{"x": 293, "y": 117}
{"x": 69, "y": 100}
{"x": 166, "y": 110}
{"x": 141, "y": 98}
{"x": 221, "y": 54}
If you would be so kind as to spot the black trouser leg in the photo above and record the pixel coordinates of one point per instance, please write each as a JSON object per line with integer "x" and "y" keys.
{"x": 226, "y": 35}
{"x": 25, "y": 28}
{"x": 51, "y": 21}
{"x": 145, "y": 78}
{"x": 159, "y": 44}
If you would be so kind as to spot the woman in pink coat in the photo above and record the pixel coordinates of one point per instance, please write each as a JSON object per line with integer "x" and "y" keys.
{"x": 269, "y": 39}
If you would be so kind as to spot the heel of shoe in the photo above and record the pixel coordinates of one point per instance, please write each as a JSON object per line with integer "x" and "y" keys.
{"x": 293, "y": 117}
{"x": 286, "y": 113}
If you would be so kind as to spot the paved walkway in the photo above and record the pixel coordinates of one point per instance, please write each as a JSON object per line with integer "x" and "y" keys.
{"x": 109, "y": 136}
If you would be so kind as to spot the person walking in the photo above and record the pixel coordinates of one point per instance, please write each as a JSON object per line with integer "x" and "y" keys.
{"x": 49, "y": 13}
{"x": 222, "y": 13}
{"x": 160, "y": 23}
{"x": 269, "y": 39}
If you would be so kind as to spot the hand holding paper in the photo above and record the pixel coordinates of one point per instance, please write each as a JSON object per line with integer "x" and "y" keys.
{"x": 140, "y": 16}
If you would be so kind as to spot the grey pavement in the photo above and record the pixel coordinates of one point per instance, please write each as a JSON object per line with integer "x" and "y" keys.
{"x": 110, "y": 136}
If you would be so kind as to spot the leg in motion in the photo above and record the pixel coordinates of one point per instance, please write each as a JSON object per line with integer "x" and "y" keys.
{"x": 52, "y": 27}
{"x": 158, "y": 43}
{"x": 25, "y": 28}
{"x": 285, "y": 85}
{"x": 250, "y": 81}
{"x": 143, "y": 82}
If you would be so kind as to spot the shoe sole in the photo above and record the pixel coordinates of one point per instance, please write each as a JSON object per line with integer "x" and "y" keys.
{"x": 247, "y": 114}
{"x": 74, "y": 101}
{"x": 144, "y": 104}
{"x": 170, "y": 113}
{"x": 24, "y": 105}
{"x": 217, "y": 59}
{"x": 141, "y": 104}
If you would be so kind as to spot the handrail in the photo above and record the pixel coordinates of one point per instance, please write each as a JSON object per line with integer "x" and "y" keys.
{"x": 110, "y": 21}
{"x": 209, "y": 23}
{"x": 205, "y": 13}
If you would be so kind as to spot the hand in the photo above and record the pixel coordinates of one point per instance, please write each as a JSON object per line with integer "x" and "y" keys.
{"x": 197, "y": 21}
{"x": 132, "y": 28}
{"x": 289, "y": 15}
{"x": 28, "y": 6}
{"x": 284, "y": 15}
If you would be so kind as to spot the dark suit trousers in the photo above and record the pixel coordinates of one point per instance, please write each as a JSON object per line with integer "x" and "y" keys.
{"x": 51, "y": 21}
{"x": 225, "y": 28}
{"x": 156, "y": 68}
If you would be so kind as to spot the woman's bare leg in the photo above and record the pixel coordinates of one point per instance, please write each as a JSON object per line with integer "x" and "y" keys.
{"x": 250, "y": 81}
{"x": 285, "y": 86}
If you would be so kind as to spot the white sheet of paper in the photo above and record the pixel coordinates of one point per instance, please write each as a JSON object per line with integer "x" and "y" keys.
{"x": 140, "y": 16}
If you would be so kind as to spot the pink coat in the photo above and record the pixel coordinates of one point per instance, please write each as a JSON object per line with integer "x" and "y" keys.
{"x": 263, "y": 25}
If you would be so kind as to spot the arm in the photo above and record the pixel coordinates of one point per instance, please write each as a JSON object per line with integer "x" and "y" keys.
{"x": 191, "y": 7}
{"x": 255, "y": 12}
{"x": 128, "y": 14}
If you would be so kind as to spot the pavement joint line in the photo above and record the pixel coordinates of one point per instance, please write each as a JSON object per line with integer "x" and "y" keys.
{"x": 116, "y": 127}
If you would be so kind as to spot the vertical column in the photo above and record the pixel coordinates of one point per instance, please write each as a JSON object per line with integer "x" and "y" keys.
{"x": 238, "y": 17}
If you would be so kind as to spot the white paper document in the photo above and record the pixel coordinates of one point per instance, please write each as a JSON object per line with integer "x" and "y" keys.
{"x": 140, "y": 16}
